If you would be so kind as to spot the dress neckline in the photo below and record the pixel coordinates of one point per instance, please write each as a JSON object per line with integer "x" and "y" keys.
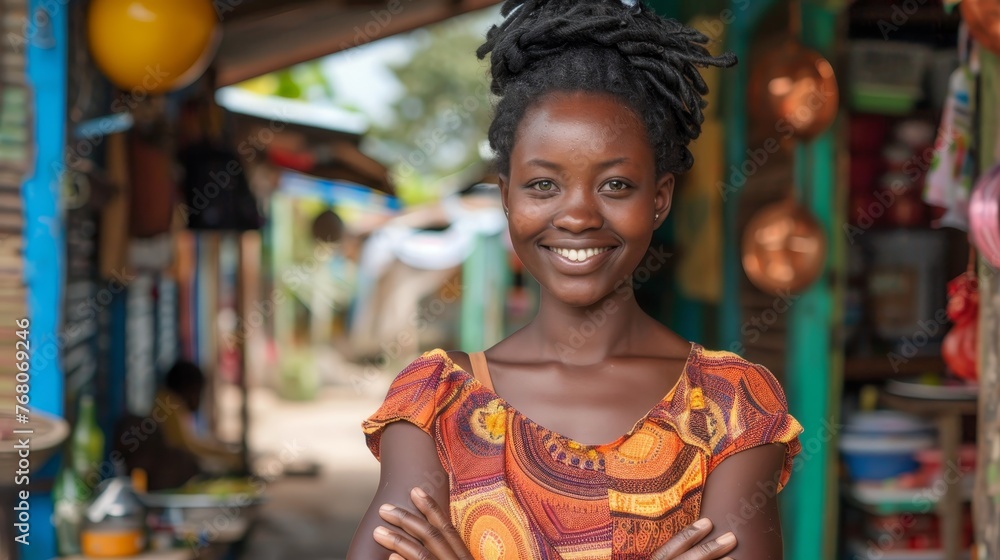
{"x": 569, "y": 441}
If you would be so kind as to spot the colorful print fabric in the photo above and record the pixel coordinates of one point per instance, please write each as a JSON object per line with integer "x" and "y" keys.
{"x": 521, "y": 491}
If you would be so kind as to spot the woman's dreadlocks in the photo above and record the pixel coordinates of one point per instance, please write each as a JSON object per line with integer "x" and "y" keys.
{"x": 602, "y": 46}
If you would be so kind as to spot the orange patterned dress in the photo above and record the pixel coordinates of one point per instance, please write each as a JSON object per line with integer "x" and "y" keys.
{"x": 520, "y": 491}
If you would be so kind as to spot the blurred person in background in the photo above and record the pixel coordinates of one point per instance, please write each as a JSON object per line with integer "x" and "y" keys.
{"x": 184, "y": 385}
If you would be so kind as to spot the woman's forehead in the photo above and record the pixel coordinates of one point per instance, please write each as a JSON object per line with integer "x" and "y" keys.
{"x": 583, "y": 127}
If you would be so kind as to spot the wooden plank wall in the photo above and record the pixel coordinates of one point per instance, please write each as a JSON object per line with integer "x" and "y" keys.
{"x": 986, "y": 501}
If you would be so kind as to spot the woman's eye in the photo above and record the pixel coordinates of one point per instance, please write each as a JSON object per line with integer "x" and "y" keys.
{"x": 616, "y": 186}
{"x": 544, "y": 186}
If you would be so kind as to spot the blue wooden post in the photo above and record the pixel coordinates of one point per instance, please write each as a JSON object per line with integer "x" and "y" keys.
{"x": 43, "y": 237}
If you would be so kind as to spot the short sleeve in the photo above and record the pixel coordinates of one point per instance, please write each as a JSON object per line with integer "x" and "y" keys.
{"x": 758, "y": 415}
{"x": 413, "y": 397}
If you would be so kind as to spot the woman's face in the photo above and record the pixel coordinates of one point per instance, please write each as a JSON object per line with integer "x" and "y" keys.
{"x": 582, "y": 193}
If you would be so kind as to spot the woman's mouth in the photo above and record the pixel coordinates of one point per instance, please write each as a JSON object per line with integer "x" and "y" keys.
{"x": 578, "y": 255}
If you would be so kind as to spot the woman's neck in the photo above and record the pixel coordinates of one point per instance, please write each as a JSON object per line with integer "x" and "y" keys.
{"x": 586, "y": 335}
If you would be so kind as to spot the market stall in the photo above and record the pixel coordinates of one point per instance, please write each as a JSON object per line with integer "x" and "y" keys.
{"x": 138, "y": 293}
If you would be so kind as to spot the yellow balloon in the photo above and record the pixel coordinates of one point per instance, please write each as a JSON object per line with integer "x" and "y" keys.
{"x": 152, "y": 46}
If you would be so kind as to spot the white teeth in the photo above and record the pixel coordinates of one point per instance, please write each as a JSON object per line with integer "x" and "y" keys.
{"x": 578, "y": 255}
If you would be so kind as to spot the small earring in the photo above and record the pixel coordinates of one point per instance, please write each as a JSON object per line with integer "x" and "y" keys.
{"x": 656, "y": 216}
{"x": 506, "y": 212}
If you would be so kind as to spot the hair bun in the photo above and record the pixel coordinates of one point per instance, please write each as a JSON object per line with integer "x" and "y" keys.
{"x": 535, "y": 29}
{"x": 626, "y": 46}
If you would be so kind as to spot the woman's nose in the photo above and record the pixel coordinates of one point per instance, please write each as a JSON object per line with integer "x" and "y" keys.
{"x": 578, "y": 212}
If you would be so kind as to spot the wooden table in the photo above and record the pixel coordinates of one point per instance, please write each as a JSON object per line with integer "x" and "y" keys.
{"x": 948, "y": 416}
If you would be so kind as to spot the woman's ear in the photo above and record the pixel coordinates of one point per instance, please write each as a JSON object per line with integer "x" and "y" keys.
{"x": 664, "y": 197}
{"x": 504, "y": 183}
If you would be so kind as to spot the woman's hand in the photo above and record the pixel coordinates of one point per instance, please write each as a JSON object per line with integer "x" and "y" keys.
{"x": 423, "y": 537}
{"x": 684, "y": 545}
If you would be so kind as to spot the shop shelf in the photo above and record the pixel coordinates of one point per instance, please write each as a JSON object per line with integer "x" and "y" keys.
{"x": 874, "y": 368}
{"x": 886, "y": 501}
{"x": 857, "y": 549}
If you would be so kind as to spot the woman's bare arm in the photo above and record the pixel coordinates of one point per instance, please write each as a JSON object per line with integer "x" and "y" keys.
{"x": 408, "y": 459}
{"x": 741, "y": 496}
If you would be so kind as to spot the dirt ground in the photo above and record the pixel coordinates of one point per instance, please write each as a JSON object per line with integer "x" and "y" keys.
{"x": 309, "y": 517}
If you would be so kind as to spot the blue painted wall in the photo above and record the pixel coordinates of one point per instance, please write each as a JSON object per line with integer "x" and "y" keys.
{"x": 47, "y": 71}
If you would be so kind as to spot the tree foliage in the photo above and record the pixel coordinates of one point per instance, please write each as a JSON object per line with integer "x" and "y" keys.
{"x": 441, "y": 120}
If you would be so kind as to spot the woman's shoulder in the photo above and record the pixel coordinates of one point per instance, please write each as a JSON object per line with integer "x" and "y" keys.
{"x": 725, "y": 375}
{"x": 418, "y": 394}
{"x": 749, "y": 406}
{"x": 433, "y": 367}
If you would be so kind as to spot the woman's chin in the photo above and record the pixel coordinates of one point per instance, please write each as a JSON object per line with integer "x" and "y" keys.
{"x": 578, "y": 297}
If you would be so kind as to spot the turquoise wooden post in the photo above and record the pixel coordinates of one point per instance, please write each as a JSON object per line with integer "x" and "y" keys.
{"x": 43, "y": 238}
{"x": 805, "y": 512}
{"x": 485, "y": 279}
{"x": 738, "y": 36}
{"x": 813, "y": 384}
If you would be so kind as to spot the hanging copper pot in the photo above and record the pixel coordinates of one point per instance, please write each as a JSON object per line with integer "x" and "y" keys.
{"x": 795, "y": 88}
{"x": 983, "y": 19}
{"x": 783, "y": 248}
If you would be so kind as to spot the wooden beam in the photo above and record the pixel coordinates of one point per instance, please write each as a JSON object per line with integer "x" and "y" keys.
{"x": 252, "y": 46}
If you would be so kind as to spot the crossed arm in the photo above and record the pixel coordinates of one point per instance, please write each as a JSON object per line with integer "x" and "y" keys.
{"x": 409, "y": 460}
{"x": 739, "y": 496}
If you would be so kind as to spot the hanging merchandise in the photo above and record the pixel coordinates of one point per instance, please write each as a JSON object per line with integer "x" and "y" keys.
{"x": 783, "y": 248}
{"x": 984, "y": 216}
{"x": 152, "y": 46}
{"x": 794, "y": 87}
{"x": 216, "y": 189}
{"x": 983, "y": 18}
{"x": 949, "y": 178}
{"x": 152, "y": 192}
{"x": 960, "y": 347}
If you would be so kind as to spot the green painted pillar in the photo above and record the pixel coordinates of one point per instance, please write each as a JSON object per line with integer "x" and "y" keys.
{"x": 282, "y": 252}
{"x": 813, "y": 380}
{"x": 734, "y": 83}
{"x": 808, "y": 516}
{"x": 485, "y": 280}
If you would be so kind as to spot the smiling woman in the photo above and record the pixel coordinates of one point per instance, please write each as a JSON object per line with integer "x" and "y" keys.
{"x": 566, "y": 196}
{"x": 594, "y": 432}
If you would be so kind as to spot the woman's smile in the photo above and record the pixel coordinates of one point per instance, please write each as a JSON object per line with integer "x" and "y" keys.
{"x": 575, "y": 262}
{"x": 578, "y": 255}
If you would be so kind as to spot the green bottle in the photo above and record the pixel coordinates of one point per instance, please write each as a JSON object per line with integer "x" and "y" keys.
{"x": 69, "y": 497}
{"x": 87, "y": 442}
